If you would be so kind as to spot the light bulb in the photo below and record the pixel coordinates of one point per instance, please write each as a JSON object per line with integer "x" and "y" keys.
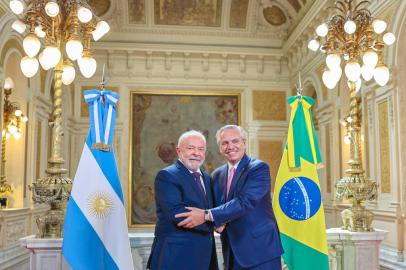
{"x": 17, "y": 135}
{"x": 19, "y": 26}
{"x": 350, "y": 27}
{"x": 18, "y": 113}
{"x": 44, "y": 63}
{"x": 17, "y": 6}
{"x": 367, "y": 72}
{"x": 381, "y": 75}
{"x": 84, "y": 14}
{"x": 12, "y": 129}
{"x": 333, "y": 61}
{"x": 52, "y": 9}
{"x": 39, "y": 32}
{"x": 68, "y": 74}
{"x": 328, "y": 79}
{"x": 31, "y": 45}
{"x": 74, "y": 49}
{"x": 379, "y": 26}
{"x": 87, "y": 66}
{"x": 389, "y": 38}
{"x": 7, "y": 135}
{"x": 52, "y": 55}
{"x": 353, "y": 70}
{"x": 370, "y": 58}
{"x": 24, "y": 118}
{"x": 313, "y": 45}
{"x": 8, "y": 83}
{"x": 322, "y": 30}
{"x": 347, "y": 139}
{"x": 29, "y": 66}
{"x": 357, "y": 85}
{"x": 102, "y": 28}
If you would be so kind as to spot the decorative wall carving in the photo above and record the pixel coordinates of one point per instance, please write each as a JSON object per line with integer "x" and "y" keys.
{"x": 271, "y": 152}
{"x": 269, "y": 105}
{"x": 384, "y": 149}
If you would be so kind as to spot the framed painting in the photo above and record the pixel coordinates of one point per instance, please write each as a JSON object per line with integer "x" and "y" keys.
{"x": 156, "y": 122}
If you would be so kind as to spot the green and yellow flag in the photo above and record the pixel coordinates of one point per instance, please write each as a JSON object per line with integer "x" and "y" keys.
{"x": 297, "y": 196}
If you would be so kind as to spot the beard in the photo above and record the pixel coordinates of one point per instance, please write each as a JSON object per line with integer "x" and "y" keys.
{"x": 191, "y": 163}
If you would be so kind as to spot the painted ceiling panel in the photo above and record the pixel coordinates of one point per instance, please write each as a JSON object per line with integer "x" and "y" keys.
{"x": 188, "y": 13}
{"x": 136, "y": 11}
{"x": 238, "y": 13}
{"x": 295, "y": 4}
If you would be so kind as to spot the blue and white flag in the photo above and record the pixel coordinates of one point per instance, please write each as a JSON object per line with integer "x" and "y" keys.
{"x": 95, "y": 230}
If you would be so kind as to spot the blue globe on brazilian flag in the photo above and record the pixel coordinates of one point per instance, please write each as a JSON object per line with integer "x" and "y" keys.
{"x": 297, "y": 199}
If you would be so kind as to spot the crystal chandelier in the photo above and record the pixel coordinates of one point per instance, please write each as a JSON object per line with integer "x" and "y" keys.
{"x": 55, "y": 25}
{"x": 354, "y": 39}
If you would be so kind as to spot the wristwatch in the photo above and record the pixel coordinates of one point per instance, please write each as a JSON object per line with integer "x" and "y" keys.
{"x": 206, "y": 215}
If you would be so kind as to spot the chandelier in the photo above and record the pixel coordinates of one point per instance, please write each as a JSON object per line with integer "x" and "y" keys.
{"x": 65, "y": 29}
{"x": 57, "y": 24}
{"x": 354, "y": 37}
{"x": 12, "y": 120}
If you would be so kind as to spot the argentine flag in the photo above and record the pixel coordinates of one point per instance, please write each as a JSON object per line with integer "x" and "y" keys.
{"x": 297, "y": 201}
{"x": 95, "y": 230}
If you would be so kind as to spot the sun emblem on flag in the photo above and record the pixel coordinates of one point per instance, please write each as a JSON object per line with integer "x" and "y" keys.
{"x": 100, "y": 205}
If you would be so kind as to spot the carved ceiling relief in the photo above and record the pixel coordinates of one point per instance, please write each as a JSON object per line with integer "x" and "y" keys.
{"x": 274, "y": 15}
{"x": 136, "y": 11}
{"x": 188, "y": 13}
{"x": 238, "y": 13}
{"x": 100, "y": 7}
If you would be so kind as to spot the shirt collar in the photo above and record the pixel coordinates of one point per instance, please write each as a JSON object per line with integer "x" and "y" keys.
{"x": 235, "y": 165}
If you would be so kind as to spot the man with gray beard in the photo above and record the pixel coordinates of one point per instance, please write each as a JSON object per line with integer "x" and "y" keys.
{"x": 177, "y": 186}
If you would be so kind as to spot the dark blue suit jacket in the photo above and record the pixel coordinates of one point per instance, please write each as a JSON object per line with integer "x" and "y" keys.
{"x": 251, "y": 231}
{"x": 175, "y": 247}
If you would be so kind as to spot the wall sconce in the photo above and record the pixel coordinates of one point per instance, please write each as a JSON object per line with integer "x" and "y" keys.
{"x": 12, "y": 121}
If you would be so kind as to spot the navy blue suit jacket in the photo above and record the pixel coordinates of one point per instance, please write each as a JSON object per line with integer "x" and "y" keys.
{"x": 251, "y": 231}
{"x": 175, "y": 247}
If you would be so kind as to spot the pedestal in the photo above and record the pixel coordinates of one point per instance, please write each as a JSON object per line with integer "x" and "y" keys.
{"x": 355, "y": 250}
{"x": 45, "y": 254}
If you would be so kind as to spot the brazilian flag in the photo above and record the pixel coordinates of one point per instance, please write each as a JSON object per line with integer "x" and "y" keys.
{"x": 297, "y": 196}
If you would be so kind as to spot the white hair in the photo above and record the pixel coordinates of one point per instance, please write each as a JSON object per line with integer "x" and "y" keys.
{"x": 242, "y": 132}
{"x": 191, "y": 133}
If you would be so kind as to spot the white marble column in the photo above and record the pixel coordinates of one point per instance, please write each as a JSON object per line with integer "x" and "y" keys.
{"x": 45, "y": 254}
{"x": 355, "y": 250}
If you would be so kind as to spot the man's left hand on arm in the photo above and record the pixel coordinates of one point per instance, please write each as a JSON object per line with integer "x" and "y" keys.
{"x": 193, "y": 218}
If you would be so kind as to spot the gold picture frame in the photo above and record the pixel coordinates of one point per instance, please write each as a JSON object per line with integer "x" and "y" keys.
{"x": 156, "y": 121}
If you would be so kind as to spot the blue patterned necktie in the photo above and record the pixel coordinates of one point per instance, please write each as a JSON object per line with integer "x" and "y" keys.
{"x": 196, "y": 175}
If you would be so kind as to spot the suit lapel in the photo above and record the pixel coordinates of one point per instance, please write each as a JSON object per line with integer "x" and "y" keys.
{"x": 240, "y": 170}
{"x": 190, "y": 181}
{"x": 206, "y": 181}
{"x": 223, "y": 183}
